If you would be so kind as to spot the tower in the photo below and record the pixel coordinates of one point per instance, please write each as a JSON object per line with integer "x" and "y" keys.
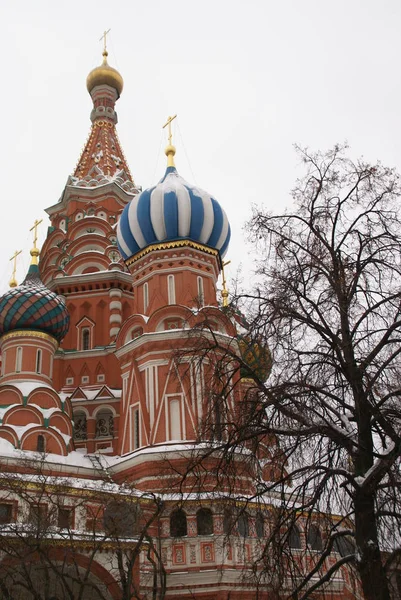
{"x": 81, "y": 262}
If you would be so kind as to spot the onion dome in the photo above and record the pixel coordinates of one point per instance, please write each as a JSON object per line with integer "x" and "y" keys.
{"x": 32, "y": 306}
{"x": 172, "y": 210}
{"x": 253, "y": 350}
{"x": 105, "y": 75}
{"x": 256, "y": 356}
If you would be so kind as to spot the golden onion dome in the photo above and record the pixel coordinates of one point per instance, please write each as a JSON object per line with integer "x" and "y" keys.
{"x": 105, "y": 75}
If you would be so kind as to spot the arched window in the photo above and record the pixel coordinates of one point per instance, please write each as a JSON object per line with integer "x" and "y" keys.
{"x": 201, "y": 296}
{"x": 38, "y": 360}
{"x": 104, "y": 424}
{"x": 243, "y": 525}
{"x": 80, "y": 431}
{"x": 85, "y": 338}
{"x": 344, "y": 545}
{"x": 294, "y": 538}
{"x": 171, "y": 289}
{"x": 260, "y": 525}
{"x": 204, "y": 521}
{"x": 314, "y": 538}
{"x": 40, "y": 444}
{"x": 178, "y": 523}
{"x": 18, "y": 360}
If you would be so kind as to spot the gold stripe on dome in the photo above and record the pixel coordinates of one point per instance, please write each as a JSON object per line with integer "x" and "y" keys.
{"x": 169, "y": 245}
{"x": 30, "y": 333}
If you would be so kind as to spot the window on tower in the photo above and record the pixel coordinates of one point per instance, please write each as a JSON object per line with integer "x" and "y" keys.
{"x": 314, "y": 538}
{"x": 171, "y": 289}
{"x": 204, "y": 521}
{"x": 104, "y": 423}
{"x": 85, "y": 338}
{"x": 294, "y": 538}
{"x": 178, "y": 523}
{"x": 201, "y": 296}
{"x": 145, "y": 297}
{"x": 38, "y": 360}
{"x": 243, "y": 525}
{"x": 40, "y": 444}
{"x": 137, "y": 432}
{"x": 18, "y": 360}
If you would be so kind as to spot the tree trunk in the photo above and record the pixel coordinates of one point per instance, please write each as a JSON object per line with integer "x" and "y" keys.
{"x": 370, "y": 567}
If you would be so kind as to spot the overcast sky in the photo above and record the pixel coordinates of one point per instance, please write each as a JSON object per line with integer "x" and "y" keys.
{"x": 247, "y": 79}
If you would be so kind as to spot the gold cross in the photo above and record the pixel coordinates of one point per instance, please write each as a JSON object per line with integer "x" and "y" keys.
{"x": 13, "y": 281}
{"x": 104, "y": 40}
{"x": 224, "y": 291}
{"x": 170, "y": 135}
{"x": 35, "y": 229}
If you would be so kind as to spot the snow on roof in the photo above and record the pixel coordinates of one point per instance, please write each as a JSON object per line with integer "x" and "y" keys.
{"x": 4, "y": 409}
{"x": 26, "y": 387}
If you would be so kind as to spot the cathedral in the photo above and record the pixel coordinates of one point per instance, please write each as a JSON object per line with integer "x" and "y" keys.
{"x": 107, "y": 397}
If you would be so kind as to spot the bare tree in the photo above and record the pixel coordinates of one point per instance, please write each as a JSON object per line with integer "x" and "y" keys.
{"x": 76, "y": 541}
{"x": 324, "y": 428}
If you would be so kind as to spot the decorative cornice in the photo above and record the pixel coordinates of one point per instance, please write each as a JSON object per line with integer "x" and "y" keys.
{"x": 30, "y": 333}
{"x": 171, "y": 245}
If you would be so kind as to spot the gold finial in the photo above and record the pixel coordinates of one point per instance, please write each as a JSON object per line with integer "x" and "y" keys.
{"x": 224, "y": 291}
{"x": 170, "y": 150}
{"x": 13, "y": 281}
{"x": 105, "y": 53}
{"x": 35, "y": 250}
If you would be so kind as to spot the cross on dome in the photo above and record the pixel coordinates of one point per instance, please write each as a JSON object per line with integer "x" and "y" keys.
{"x": 170, "y": 149}
{"x": 35, "y": 250}
{"x": 13, "y": 281}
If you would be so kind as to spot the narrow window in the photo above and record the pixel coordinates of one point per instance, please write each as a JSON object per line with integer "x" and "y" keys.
{"x": 200, "y": 291}
{"x": 137, "y": 441}
{"x": 145, "y": 297}
{"x": 260, "y": 525}
{"x": 38, "y": 361}
{"x": 315, "y": 538}
{"x": 40, "y": 444}
{"x": 178, "y": 523}
{"x": 294, "y": 538}
{"x": 243, "y": 525}
{"x": 175, "y": 420}
{"x": 204, "y": 521}
{"x": 228, "y": 521}
{"x": 18, "y": 360}
{"x": 85, "y": 338}
{"x": 171, "y": 289}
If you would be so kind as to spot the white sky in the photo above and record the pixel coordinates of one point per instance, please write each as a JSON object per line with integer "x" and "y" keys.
{"x": 247, "y": 79}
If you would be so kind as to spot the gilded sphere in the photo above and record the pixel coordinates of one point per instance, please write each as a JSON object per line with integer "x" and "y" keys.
{"x": 105, "y": 75}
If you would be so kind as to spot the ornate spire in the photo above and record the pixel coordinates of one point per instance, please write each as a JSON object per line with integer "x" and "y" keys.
{"x": 102, "y": 157}
{"x": 170, "y": 149}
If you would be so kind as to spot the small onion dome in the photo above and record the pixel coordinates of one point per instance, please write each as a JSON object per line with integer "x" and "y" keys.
{"x": 172, "y": 210}
{"x": 105, "y": 75}
{"x": 32, "y": 306}
{"x": 256, "y": 356}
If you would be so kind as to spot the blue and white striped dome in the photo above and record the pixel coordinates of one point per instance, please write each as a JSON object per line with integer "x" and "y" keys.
{"x": 172, "y": 210}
